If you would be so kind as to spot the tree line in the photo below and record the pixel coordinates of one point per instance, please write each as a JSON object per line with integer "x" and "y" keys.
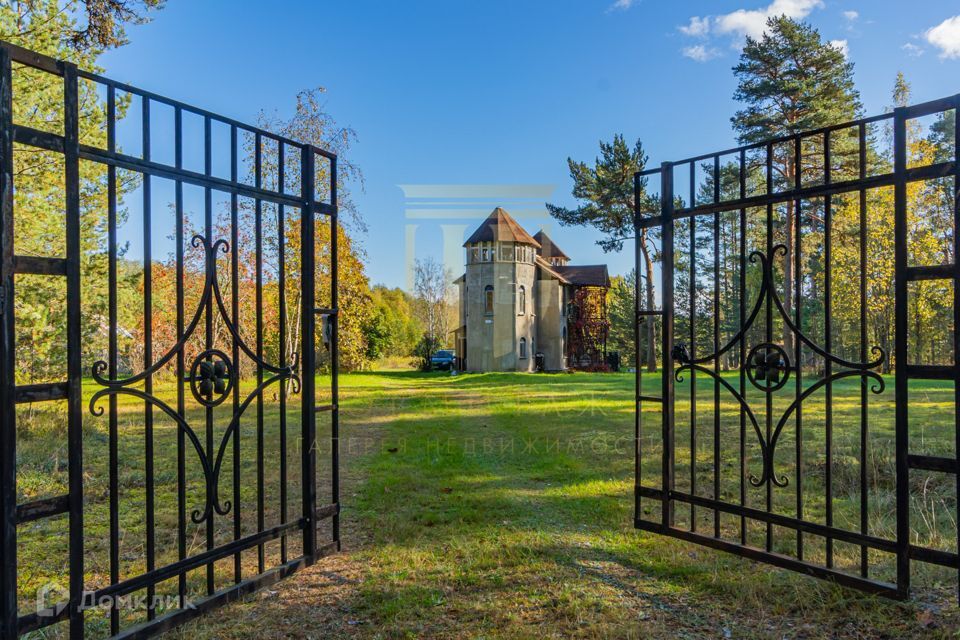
{"x": 788, "y": 81}
{"x": 381, "y": 322}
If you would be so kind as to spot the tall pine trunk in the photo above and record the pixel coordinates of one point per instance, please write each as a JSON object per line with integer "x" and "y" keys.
{"x": 651, "y": 325}
{"x": 788, "y": 274}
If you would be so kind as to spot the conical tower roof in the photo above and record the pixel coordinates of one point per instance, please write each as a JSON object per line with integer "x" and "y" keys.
{"x": 500, "y": 226}
{"x": 549, "y": 249}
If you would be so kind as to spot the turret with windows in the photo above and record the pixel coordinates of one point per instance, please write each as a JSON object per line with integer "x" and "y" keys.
{"x": 498, "y": 320}
{"x": 513, "y": 301}
{"x": 550, "y": 252}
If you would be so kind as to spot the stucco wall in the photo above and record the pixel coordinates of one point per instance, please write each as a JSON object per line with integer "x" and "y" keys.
{"x": 550, "y": 325}
{"x": 526, "y": 324}
{"x": 493, "y": 340}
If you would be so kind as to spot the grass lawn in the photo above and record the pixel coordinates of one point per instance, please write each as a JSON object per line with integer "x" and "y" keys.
{"x": 500, "y": 505}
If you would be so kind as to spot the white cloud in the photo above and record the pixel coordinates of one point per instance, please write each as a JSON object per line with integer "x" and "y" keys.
{"x": 753, "y": 22}
{"x": 622, "y": 5}
{"x": 700, "y": 53}
{"x": 946, "y": 37}
{"x": 746, "y": 22}
{"x": 749, "y": 22}
{"x": 843, "y": 45}
{"x": 851, "y": 15}
{"x": 698, "y": 27}
{"x": 913, "y": 50}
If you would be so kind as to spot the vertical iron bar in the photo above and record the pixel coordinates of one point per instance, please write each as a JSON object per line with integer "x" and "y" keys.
{"x": 828, "y": 338}
{"x": 258, "y": 257}
{"x": 769, "y": 333}
{"x": 637, "y": 375}
{"x": 71, "y": 156}
{"x": 308, "y": 354}
{"x": 235, "y": 352}
{"x": 693, "y": 345}
{"x": 743, "y": 342}
{"x": 8, "y": 413}
{"x": 181, "y": 366}
{"x": 335, "y": 350}
{"x": 956, "y": 301}
{"x": 282, "y": 304}
{"x": 900, "y": 349}
{"x": 666, "y": 273}
{"x": 113, "y": 454}
{"x": 208, "y": 337}
{"x": 864, "y": 395}
{"x": 798, "y": 344}
{"x": 148, "y": 356}
{"x": 716, "y": 346}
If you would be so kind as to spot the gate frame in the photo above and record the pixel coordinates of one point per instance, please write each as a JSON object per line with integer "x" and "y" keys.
{"x": 12, "y": 624}
{"x": 905, "y": 461}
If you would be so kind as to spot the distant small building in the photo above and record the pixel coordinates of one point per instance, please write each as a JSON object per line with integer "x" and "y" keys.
{"x": 520, "y": 297}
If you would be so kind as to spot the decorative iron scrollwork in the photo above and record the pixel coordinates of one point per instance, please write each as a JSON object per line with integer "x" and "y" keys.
{"x": 212, "y": 378}
{"x": 768, "y": 368}
{"x": 679, "y": 353}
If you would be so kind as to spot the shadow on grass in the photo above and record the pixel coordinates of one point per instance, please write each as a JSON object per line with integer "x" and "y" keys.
{"x": 481, "y": 519}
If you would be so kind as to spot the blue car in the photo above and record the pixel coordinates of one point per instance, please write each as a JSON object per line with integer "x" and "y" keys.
{"x": 443, "y": 359}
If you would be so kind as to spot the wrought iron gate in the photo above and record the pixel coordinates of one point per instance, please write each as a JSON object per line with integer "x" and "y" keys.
{"x": 799, "y": 222}
{"x": 206, "y": 554}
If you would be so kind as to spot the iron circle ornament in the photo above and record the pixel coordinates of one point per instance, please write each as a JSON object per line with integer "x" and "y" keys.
{"x": 211, "y": 377}
{"x": 768, "y": 367}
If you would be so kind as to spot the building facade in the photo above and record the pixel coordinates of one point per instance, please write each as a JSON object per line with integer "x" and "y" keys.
{"x": 521, "y": 303}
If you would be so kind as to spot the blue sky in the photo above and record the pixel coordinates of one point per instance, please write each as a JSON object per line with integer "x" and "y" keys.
{"x": 500, "y": 93}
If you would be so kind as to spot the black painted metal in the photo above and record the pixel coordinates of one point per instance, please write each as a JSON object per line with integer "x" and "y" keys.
{"x": 207, "y": 380}
{"x": 757, "y": 527}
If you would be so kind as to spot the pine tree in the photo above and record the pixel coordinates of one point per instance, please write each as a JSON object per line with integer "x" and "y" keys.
{"x": 791, "y": 81}
{"x": 606, "y": 193}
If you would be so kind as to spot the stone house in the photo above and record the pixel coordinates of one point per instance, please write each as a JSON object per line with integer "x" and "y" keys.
{"x": 520, "y": 297}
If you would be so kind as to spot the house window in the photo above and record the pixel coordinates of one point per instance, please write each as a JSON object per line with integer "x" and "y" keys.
{"x": 488, "y": 299}
{"x": 522, "y": 300}
{"x": 523, "y": 347}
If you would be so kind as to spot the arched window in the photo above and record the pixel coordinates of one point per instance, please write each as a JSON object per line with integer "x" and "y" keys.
{"x": 523, "y": 347}
{"x": 522, "y": 300}
{"x": 488, "y": 299}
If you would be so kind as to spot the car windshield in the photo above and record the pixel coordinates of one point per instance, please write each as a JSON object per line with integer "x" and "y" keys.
{"x": 444, "y": 354}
